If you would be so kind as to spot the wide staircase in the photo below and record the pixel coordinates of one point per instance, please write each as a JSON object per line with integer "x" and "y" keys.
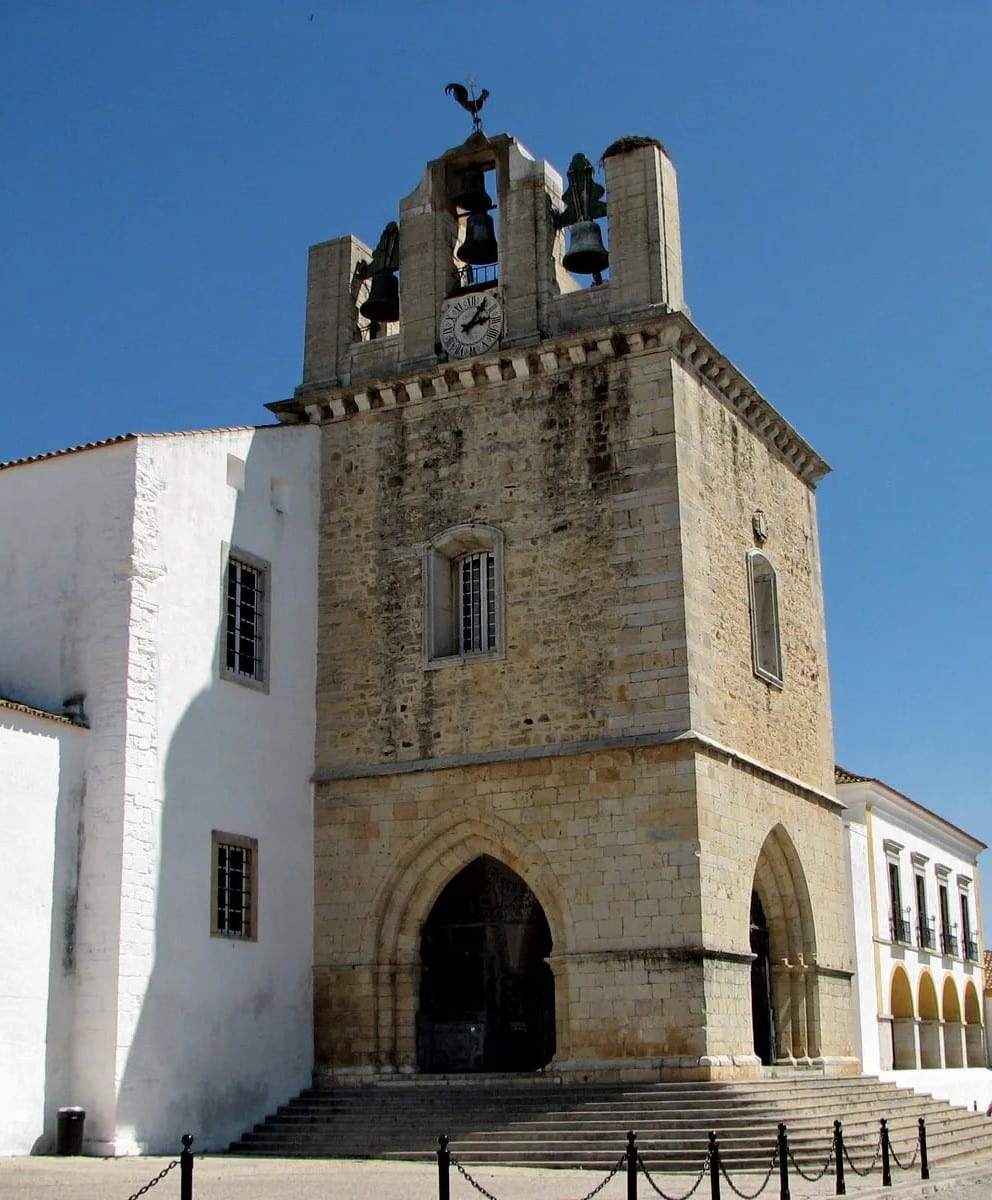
{"x": 523, "y": 1121}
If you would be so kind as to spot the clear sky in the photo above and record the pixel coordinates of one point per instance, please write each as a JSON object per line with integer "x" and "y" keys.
{"x": 164, "y": 166}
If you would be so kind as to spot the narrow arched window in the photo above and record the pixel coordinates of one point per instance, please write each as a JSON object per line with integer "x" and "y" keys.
{"x": 463, "y": 593}
{"x": 766, "y": 643}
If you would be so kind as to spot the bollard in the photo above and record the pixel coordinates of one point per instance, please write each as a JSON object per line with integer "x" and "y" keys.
{"x": 443, "y": 1163}
{"x": 631, "y": 1165}
{"x": 924, "y": 1161}
{"x": 886, "y": 1165}
{"x": 841, "y": 1188}
{"x": 714, "y": 1168}
{"x": 783, "y": 1162}
{"x": 186, "y": 1169}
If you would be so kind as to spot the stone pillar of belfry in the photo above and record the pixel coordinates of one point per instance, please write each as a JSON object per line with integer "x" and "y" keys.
{"x": 332, "y": 314}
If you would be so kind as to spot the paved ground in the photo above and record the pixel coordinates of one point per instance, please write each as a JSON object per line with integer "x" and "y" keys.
{"x": 231, "y": 1178}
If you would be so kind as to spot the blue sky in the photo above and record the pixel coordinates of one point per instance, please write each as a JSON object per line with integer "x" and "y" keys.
{"x": 165, "y": 166}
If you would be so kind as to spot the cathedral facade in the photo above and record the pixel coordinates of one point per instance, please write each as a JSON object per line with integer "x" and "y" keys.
{"x": 573, "y": 790}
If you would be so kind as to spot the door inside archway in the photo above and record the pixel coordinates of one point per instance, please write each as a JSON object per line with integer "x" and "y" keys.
{"x": 486, "y": 990}
{"x": 762, "y": 1018}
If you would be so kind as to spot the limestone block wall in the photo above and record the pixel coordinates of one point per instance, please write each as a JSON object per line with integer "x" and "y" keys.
{"x": 608, "y": 842}
{"x": 726, "y": 473}
{"x": 577, "y": 471}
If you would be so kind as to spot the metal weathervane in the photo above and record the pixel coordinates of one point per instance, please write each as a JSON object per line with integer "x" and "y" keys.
{"x": 467, "y": 98}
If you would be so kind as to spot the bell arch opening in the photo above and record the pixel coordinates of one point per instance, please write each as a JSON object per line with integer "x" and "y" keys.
{"x": 787, "y": 1014}
{"x": 486, "y": 997}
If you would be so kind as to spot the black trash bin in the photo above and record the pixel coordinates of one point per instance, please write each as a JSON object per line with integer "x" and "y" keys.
{"x": 69, "y": 1139}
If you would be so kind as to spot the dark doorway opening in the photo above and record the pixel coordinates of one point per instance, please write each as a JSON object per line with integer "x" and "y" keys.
{"x": 762, "y": 1017}
{"x": 486, "y": 990}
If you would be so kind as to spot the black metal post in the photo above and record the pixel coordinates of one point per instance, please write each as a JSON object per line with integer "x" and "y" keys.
{"x": 841, "y": 1188}
{"x": 186, "y": 1169}
{"x": 631, "y": 1165}
{"x": 714, "y": 1168}
{"x": 886, "y": 1165}
{"x": 783, "y": 1162}
{"x": 443, "y": 1163}
{"x": 924, "y": 1161}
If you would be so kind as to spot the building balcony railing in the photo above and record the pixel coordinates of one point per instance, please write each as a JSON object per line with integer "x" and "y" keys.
{"x": 900, "y": 929}
{"x": 971, "y": 949}
{"x": 926, "y": 934}
{"x": 948, "y": 943}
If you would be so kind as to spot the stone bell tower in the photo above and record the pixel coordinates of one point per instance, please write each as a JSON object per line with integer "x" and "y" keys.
{"x": 574, "y": 804}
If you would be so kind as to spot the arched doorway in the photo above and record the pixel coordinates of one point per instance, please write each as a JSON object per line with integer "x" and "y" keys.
{"x": 793, "y": 1013}
{"x": 930, "y": 1039}
{"x": 486, "y": 990}
{"x": 974, "y": 1039}
{"x": 762, "y": 1017}
{"x": 905, "y": 1051}
{"x": 953, "y": 1025}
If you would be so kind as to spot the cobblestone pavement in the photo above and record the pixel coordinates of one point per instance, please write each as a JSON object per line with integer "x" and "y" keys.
{"x": 231, "y": 1178}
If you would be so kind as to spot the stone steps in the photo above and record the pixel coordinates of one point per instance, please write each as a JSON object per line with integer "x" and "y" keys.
{"x": 518, "y": 1123}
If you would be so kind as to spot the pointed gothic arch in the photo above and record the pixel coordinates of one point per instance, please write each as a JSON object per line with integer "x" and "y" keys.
{"x": 404, "y": 904}
{"x": 784, "y": 901}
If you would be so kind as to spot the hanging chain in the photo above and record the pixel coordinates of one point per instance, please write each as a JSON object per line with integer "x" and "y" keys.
{"x": 750, "y": 1195}
{"x": 466, "y": 1176}
{"x": 152, "y": 1182}
{"x": 912, "y": 1162}
{"x": 664, "y": 1195}
{"x": 826, "y": 1165}
{"x": 871, "y": 1165}
{"x": 610, "y": 1175}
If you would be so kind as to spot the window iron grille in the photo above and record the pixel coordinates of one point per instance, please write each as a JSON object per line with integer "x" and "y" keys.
{"x": 245, "y": 619}
{"x": 234, "y": 890}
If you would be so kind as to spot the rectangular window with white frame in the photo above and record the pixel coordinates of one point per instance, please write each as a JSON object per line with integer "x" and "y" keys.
{"x": 234, "y": 877}
{"x": 246, "y": 605}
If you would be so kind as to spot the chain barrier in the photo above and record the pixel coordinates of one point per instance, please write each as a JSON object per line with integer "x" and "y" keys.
{"x": 820, "y": 1175}
{"x": 154, "y": 1182}
{"x": 664, "y": 1195}
{"x": 912, "y": 1162}
{"x": 610, "y": 1175}
{"x": 750, "y": 1195}
{"x": 871, "y": 1165}
{"x": 468, "y": 1178}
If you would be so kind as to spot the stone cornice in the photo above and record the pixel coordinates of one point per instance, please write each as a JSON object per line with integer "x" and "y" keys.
{"x": 321, "y": 402}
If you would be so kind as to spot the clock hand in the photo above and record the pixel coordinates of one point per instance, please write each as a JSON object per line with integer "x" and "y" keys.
{"x": 477, "y": 319}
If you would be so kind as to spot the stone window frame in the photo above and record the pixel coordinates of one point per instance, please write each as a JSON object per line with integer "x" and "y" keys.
{"x": 920, "y": 899}
{"x": 248, "y": 909}
{"x": 766, "y": 630}
{"x": 441, "y": 594}
{"x": 259, "y": 681}
{"x": 969, "y": 930}
{"x": 899, "y": 931}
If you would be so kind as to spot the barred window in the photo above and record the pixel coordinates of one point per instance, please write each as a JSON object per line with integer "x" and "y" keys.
{"x": 245, "y": 619}
{"x": 477, "y": 603}
{"x": 235, "y": 889}
{"x": 463, "y": 594}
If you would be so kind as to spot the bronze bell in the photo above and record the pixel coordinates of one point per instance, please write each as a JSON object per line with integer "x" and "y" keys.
{"x": 472, "y": 195}
{"x": 383, "y": 303}
{"x": 479, "y": 247}
{"x": 587, "y": 255}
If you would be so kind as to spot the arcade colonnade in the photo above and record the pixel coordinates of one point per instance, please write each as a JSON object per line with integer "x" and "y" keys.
{"x": 936, "y": 1027}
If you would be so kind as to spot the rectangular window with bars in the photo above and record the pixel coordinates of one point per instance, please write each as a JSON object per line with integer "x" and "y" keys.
{"x": 477, "y": 602}
{"x": 245, "y": 619}
{"x": 235, "y": 874}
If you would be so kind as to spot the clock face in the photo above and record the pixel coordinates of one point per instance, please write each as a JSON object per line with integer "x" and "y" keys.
{"x": 471, "y": 324}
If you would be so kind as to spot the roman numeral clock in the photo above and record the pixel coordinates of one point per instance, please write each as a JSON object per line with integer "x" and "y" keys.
{"x": 470, "y": 324}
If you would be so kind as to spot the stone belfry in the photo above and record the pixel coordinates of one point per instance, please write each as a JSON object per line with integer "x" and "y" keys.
{"x": 573, "y": 795}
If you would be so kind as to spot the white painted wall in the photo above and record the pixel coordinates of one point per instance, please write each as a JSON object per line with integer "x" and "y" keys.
{"x": 111, "y": 585}
{"x": 214, "y": 1033}
{"x": 877, "y": 815}
{"x": 39, "y": 770}
{"x": 863, "y": 993}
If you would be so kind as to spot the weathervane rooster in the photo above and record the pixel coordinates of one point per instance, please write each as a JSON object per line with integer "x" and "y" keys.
{"x": 469, "y": 101}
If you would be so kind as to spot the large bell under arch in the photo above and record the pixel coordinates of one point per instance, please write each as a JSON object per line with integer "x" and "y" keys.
{"x": 486, "y": 990}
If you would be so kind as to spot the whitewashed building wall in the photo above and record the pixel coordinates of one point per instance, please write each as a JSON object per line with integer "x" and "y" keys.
{"x": 920, "y": 1007}
{"x": 112, "y": 589}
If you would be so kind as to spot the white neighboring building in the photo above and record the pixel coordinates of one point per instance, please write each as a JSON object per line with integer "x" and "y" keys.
{"x": 918, "y": 940}
{"x": 162, "y": 590}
